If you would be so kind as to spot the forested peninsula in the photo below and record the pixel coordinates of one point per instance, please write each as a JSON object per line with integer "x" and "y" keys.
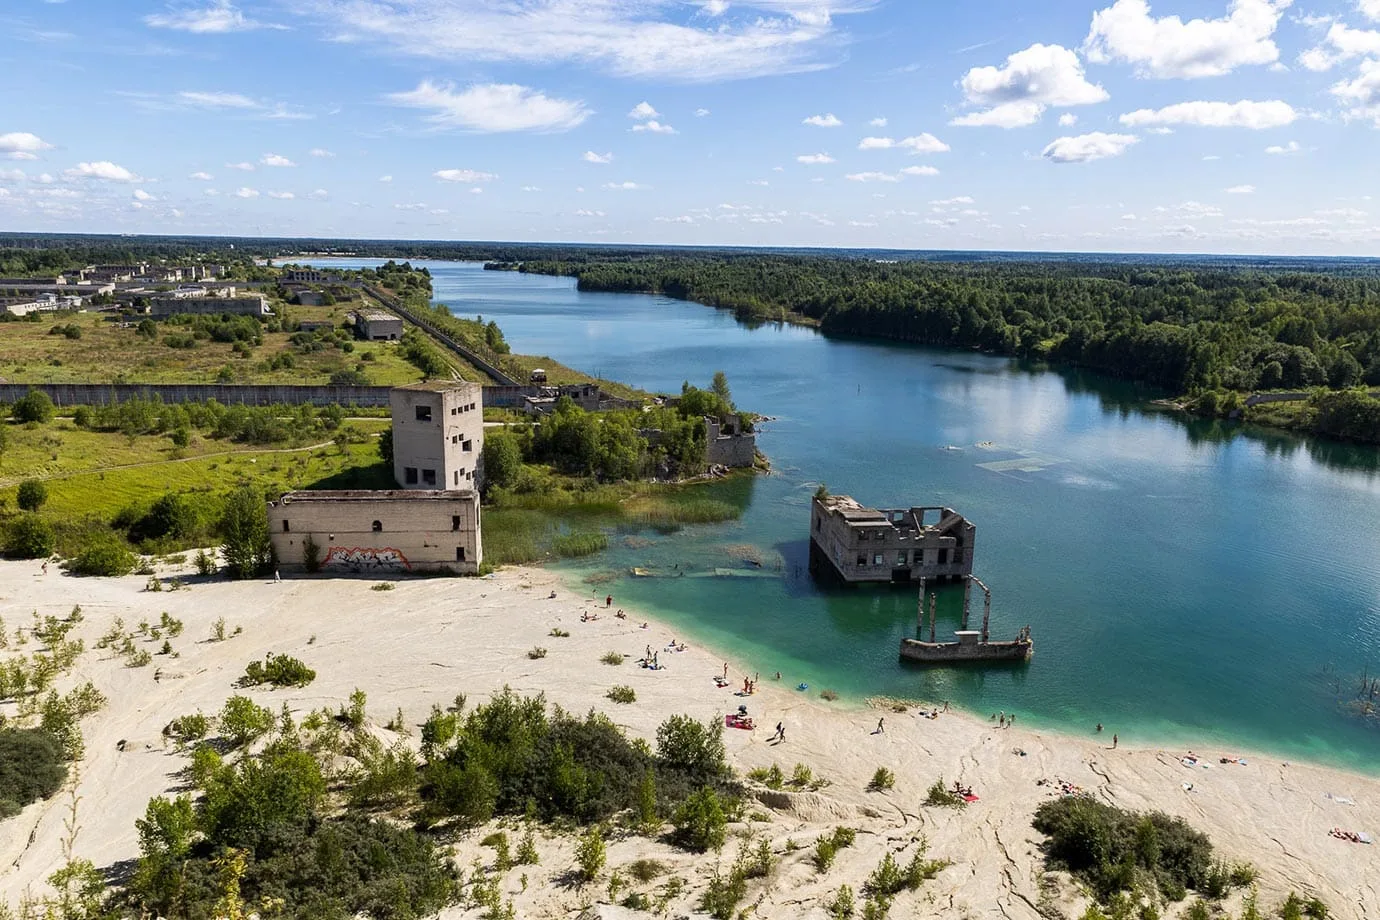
{"x": 1211, "y": 333}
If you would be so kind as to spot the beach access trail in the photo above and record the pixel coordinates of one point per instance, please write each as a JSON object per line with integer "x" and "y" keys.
{"x": 427, "y": 640}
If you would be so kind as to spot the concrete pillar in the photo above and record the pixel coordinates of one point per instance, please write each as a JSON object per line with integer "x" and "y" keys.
{"x": 967, "y": 598}
{"x": 986, "y": 612}
{"x": 932, "y": 600}
{"x": 920, "y": 610}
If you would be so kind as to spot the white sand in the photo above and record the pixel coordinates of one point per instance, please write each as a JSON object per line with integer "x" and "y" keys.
{"x": 428, "y": 640}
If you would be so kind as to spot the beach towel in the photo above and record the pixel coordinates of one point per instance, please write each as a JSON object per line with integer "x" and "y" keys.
{"x": 1339, "y": 799}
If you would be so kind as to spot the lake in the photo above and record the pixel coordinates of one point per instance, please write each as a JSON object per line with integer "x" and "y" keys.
{"x": 1183, "y": 579}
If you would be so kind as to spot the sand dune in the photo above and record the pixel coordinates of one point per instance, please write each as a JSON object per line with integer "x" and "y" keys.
{"x": 427, "y": 640}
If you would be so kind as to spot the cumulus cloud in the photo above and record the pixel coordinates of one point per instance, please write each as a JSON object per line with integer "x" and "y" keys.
{"x": 701, "y": 112}
{"x": 491, "y": 108}
{"x": 201, "y": 176}
{"x": 814, "y": 159}
{"x": 625, "y": 186}
{"x": 385, "y": 178}
{"x": 141, "y": 195}
{"x": 321, "y": 152}
{"x": 531, "y": 188}
{"x": 244, "y": 167}
{"x": 1088, "y": 147}
{"x": 1241, "y": 190}
{"x": 1341, "y": 43}
{"x": 653, "y": 126}
{"x": 872, "y": 177}
{"x": 1169, "y": 48}
{"x": 640, "y": 40}
{"x": 101, "y": 169}
{"x": 601, "y": 158}
{"x": 219, "y": 16}
{"x": 273, "y": 159}
{"x": 1243, "y": 114}
{"x": 827, "y": 120}
{"x": 920, "y": 143}
{"x": 1284, "y": 150}
{"x": 919, "y": 171}
{"x": 1068, "y": 120}
{"x": 320, "y": 194}
{"x": 681, "y": 219}
{"x": 21, "y": 145}
{"x": 1018, "y": 93}
{"x": 246, "y": 193}
{"x": 585, "y": 213}
{"x": 1361, "y": 93}
{"x": 282, "y": 196}
{"x": 643, "y": 110}
{"x": 878, "y": 122}
{"x": 468, "y": 176}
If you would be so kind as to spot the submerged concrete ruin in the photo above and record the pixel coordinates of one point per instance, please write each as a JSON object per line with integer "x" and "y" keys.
{"x": 862, "y": 544}
{"x": 969, "y": 645}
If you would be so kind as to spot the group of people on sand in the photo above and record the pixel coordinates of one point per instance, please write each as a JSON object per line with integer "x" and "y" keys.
{"x": 1003, "y": 720}
{"x": 1349, "y": 836}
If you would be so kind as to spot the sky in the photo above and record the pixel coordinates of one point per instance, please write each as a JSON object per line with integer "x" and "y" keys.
{"x": 1243, "y": 126}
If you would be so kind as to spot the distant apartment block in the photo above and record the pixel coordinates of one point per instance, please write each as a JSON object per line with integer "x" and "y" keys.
{"x": 243, "y": 305}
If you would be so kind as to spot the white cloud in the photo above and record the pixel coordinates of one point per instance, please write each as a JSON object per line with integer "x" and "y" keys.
{"x": 217, "y": 100}
{"x": 1243, "y": 114}
{"x": 654, "y": 127}
{"x": 531, "y": 188}
{"x": 878, "y": 122}
{"x": 1018, "y": 93}
{"x": 585, "y": 213}
{"x": 385, "y": 178}
{"x": 1068, "y": 120}
{"x": 273, "y": 159}
{"x": 1277, "y": 150}
{"x": 21, "y": 145}
{"x": 827, "y": 120}
{"x": 646, "y": 39}
{"x": 210, "y": 192}
{"x": 625, "y": 186}
{"x": 219, "y": 16}
{"x": 1169, "y": 48}
{"x": 101, "y": 169}
{"x": 700, "y": 113}
{"x": 591, "y": 157}
{"x": 468, "y": 176}
{"x": 920, "y": 143}
{"x": 141, "y": 195}
{"x": 282, "y": 196}
{"x": 682, "y": 219}
{"x": 1241, "y": 190}
{"x": 1211, "y": 157}
{"x": 919, "y": 171}
{"x": 643, "y": 110}
{"x": 1341, "y": 44}
{"x": 1088, "y": 147}
{"x": 814, "y": 159}
{"x": 490, "y": 108}
{"x": 1361, "y": 93}
{"x": 246, "y": 193}
{"x": 245, "y": 167}
{"x": 1369, "y": 8}
{"x": 201, "y": 176}
{"x": 872, "y": 177}
{"x": 11, "y": 175}
{"x": 320, "y": 194}
{"x": 321, "y": 152}
{"x": 946, "y": 202}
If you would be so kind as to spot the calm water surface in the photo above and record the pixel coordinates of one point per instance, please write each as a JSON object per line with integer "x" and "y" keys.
{"x": 1183, "y": 580}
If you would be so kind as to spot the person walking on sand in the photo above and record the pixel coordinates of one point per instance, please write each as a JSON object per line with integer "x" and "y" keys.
{"x": 725, "y": 670}
{"x": 780, "y": 732}
{"x": 1114, "y": 741}
{"x": 881, "y": 726}
{"x": 276, "y": 576}
{"x": 608, "y": 601}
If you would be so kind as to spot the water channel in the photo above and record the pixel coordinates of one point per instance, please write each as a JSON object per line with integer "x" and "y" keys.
{"x": 1183, "y": 579}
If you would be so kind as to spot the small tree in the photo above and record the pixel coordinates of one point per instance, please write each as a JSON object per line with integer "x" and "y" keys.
{"x": 311, "y": 554}
{"x": 700, "y": 821}
{"x": 590, "y": 855}
{"x": 502, "y": 459}
{"x": 34, "y": 406}
{"x": 244, "y": 528}
{"x": 32, "y": 494}
{"x": 30, "y": 537}
{"x": 103, "y": 554}
{"x": 242, "y": 720}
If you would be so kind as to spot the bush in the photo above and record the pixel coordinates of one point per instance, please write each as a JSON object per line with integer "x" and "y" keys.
{"x": 278, "y": 670}
{"x": 590, "y": 855}
{"x": 827, "y": 847}
{"x": 723, "y": 893}
{"x": 622, "y": 695}
{"x": 536, "y": 652}
{"x": 941, "y": 796}
{"x": 613, "y": 658}
{"x": 192, "y": 727}
{"x": 700, "y": 822}
{"x": 29, "y": 536}
{"x": 242, "y": 720}
{"x": 841, "y": 907}
{"x": 32, "y": 767}
{"x": 31, "y": 495}
{"x": 35, "y": 406}
{"x": 644, "y": 870}
{"x": 882, "y": 780}
{"x": 104, "y": 554}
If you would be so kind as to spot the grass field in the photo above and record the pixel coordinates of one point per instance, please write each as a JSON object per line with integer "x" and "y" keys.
{"x": 110, "y": 353}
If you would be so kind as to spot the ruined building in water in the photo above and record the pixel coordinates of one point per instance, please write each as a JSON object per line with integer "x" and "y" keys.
{"x": 870, "y": 545}
{"x": 429, "y": 524}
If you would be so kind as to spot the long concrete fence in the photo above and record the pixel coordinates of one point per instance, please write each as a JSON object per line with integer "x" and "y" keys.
{"x": 105, "y": 394}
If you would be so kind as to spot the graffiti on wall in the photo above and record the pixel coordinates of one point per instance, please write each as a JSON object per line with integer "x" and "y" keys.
{"x": 366, "y": 559}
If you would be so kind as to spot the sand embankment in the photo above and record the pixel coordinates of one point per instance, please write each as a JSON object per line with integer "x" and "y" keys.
{"x": 427, "y": 640}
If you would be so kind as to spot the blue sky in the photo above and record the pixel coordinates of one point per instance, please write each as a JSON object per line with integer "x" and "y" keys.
{"x": 1118, "y": 125}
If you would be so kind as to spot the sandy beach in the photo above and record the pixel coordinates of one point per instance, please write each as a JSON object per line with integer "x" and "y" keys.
{"x": 426, "y": 640}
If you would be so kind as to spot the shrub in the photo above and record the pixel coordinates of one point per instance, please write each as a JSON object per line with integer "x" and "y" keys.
{"x": 941, "y": 796}
{"x": 536, "y": 652}
{"x": 31, "y": 767}
{"x": 828, "y": 695}
{"x": 31, "y": 495}
{"x": 841, "y": 907}
{"x": 723, "y": 893}
{"x": 697, "y": 748}
{"x": 771, "y": 777}
{"x": 644, "y": 870}
{"x": 205, "y": 566}
{"x": 278, "y": 670}
{"x": 191, "y": 727}
{"x": 622, "y": 694}
{"x": 35, "y": 406}
{"x": 827, "y": 847}
{"x": 242, "y": 720}
{"x": 613, "y": 658}
{"x": 700, "y": 822}
{"x": 527, "y": 849}
{"x": 29, "y": 536}
{"x": 559, "y": 633}
{"x": 105, "y": 555}
{"x": 590, "y": 855}
{"x": 386, "y": 777}
{"x": 882, "y": 780}
{"x": 383, "y": 586}
{"x": 311, "y": 554}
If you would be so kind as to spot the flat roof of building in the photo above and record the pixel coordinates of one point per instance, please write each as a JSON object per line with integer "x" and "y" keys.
{"x": 367, "y": 495}
{"x": 437, "y": 386}
{"x": 375, "y": 316}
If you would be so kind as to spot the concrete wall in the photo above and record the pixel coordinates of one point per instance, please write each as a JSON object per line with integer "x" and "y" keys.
{"x": 104, "y": 394}
{"x": 876, "y": 551}
{"x": 731, "y": 450}
{"x": 418, "y": 531}
{"x": 442, "y": 450}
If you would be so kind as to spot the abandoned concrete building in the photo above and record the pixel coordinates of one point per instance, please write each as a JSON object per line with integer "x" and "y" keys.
{"x": 429, "y": 524}
{"x": 878, "y": 545}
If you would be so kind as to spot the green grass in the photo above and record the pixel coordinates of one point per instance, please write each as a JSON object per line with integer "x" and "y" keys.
{"x": 575, "y": 545}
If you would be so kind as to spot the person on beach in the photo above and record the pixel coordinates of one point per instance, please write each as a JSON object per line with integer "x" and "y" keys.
{"x": 1114, "y": 741}
{"x": 45, "y": 568}
{"x": 608, "y": 601}
{"x": 778, "y": 675}
{"x": 1001, "y": 720}
{"x": 725, "y": 670}
{"x": 649, "y": 653}
{"x": 276, "y": 577}
{"x": 881, "y": 726}
{"x": 1099, "y": 728}
{"x": 1011, "y": 720}
{"x": 946, "y": 705}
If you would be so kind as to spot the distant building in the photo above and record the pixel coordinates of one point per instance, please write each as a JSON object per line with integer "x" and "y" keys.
{"x": 871, "y": 545}
{"x": 371, "y": 532}
{"x": 377, "y": 326}
{"x": 308, "y": 275}
{"x": 728, "y": 444}
{"x": 313, "y": 325}
{"x": 438, "y": 435}
{"x": 44, "y": 303}
{"x": 304, "y": 296}
{"x": 244, "y": 305}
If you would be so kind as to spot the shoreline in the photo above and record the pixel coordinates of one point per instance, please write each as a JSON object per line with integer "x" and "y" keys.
{"x": 425, "y": 640}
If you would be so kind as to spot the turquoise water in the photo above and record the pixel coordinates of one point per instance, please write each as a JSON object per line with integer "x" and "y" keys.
{"x": 1183, "y": 579}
